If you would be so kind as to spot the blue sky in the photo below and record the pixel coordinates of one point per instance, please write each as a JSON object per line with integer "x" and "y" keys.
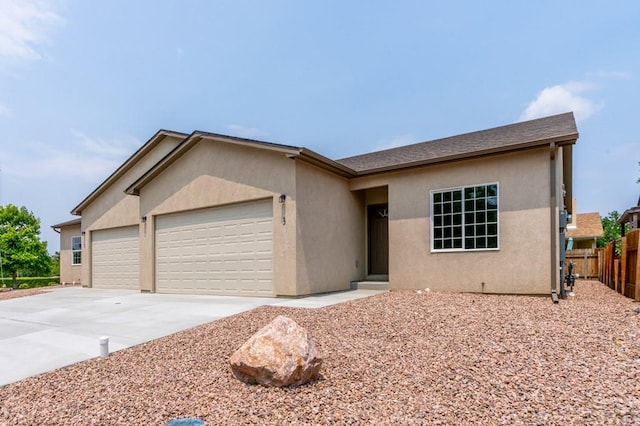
{"x": 84, "y": 83}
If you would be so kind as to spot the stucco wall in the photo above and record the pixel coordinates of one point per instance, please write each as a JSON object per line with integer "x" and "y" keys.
{"x": 216, "y": 173}
{"x": 522, "y": 263}
{"x": 330, "y": 231}
{"x": 113, "y": 208}
{"x": 69, "y": 274}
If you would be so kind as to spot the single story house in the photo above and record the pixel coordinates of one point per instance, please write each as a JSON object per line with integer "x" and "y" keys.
{"x": 585, "y": 230}
{"x": 205, "y": 213}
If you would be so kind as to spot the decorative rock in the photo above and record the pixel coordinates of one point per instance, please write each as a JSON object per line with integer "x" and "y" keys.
{"x": 280, "y": 354}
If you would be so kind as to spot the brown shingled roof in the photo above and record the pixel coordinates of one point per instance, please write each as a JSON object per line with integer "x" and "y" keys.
{"x": 588, "y": 225}
{"x": 558, "y": 128}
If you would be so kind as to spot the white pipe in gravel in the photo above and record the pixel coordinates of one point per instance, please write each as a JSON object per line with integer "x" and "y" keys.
{"x": 104, "y": 347}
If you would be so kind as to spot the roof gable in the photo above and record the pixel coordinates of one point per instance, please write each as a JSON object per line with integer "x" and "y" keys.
{"x": 558, "y": 128}
{"x": 192, "y": 140}
{"x": 126, "y": 166}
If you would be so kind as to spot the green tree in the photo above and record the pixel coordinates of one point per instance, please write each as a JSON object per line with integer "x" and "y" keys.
{"x": 20, "y": 244}
{"x": 611, "y": 230}
{"x": 55, "y": 264}
{"x": 40, "y": 270}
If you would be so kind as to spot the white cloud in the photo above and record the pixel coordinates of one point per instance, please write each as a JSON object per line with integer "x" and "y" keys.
{"x": 246, "y": 132}
{"x": 24, "y": 24}
{"x": 90, "y": 159}
{"x": 116, "y": 147}
{"x": 562, "y": 98}
{"x": 5, "y": 111}
{"x": 400, "y": 140}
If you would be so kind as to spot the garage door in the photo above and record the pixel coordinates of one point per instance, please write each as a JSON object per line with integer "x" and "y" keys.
{"x": 115, "y": 258}
{"x": 223, "y": 250}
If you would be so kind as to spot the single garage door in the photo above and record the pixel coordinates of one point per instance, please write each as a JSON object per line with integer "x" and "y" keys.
{"x": 222, "y": 250}
{"x": 115, "y": 258}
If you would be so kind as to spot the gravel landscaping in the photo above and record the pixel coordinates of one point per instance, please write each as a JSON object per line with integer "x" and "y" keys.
{"x": 395, "y": 358}
{"x": 6, "y": 293}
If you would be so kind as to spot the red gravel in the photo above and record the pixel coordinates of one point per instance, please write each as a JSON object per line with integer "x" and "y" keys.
{"x": 395, "y": 358}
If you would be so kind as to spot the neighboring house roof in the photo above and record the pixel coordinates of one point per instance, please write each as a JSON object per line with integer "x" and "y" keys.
{"x": 626, "y": 216}
{"x": 67, "y": 223}
{"x": 558, "y": 128}
{"x": 126, "y": 166}
{"x": 588, "y": 225}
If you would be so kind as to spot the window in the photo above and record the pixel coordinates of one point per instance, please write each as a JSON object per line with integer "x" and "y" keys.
{"x": 76, "y": 250}
{"x": 465, "y": 218}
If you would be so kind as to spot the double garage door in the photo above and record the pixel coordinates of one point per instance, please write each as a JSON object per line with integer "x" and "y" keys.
{"x": 223, "y": 250}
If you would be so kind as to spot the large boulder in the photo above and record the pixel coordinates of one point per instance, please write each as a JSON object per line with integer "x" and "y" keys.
{"x": 280, "y": 354}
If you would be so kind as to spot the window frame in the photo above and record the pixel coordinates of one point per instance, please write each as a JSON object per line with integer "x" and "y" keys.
{"x": 75, "y": 251}
{"x": 463, "y": 223}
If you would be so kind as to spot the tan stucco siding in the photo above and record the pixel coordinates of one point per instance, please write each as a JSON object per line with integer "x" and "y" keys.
{"x": 215, "y": 174}
{"x": 377, "y": 195}
{"x": 521, "y": 265}
{"x": 113, "y": 208}
{"x": 330, "y": 231}
{"x": 69, "y": 273}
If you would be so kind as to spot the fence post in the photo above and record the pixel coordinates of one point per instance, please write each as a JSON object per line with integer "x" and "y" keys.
{"x": 610, "y": 257}
{"x": 612, "y": 261}
{"x": 605, "y": 270}
{"x": 600, "y": 264}
{"x": 623, "y": 265}
{"x": 637, "y": 298}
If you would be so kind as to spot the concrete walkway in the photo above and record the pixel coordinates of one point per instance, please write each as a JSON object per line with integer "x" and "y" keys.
{"x": 47, "y": 331}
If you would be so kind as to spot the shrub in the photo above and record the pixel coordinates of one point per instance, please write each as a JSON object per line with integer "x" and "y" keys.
{"x": 23, "y": 286}
{"x": 33, "y": 282}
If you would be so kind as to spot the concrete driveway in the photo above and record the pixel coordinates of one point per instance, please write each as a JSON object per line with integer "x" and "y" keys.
{"x": 63, "y": 326}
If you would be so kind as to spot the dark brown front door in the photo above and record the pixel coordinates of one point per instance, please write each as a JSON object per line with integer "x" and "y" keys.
{"x": 378, "y": 218}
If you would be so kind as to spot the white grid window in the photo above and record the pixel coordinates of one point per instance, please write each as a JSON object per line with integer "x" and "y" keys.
{"x": 465, "y": 218}
{"x": 76, "y": 250}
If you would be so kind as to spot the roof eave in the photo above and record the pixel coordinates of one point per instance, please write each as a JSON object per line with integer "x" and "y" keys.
{"x": 558, "y": 140}
{"x": 72, "y": 222}
{"x": 160, "y": 166}
{"x": 323, "y": 162}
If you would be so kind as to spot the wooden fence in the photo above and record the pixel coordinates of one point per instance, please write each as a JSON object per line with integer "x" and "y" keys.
{"x": 621, "y": 273}
{"x": 585, "y": 262}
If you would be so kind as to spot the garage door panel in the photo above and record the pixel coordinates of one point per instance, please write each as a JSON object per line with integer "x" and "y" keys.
{"x": 115, "y": 258}
{"x": 225, "y": 250}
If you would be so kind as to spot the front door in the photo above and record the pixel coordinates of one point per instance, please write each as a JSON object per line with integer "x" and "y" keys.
{"x": 378, "y": 219}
